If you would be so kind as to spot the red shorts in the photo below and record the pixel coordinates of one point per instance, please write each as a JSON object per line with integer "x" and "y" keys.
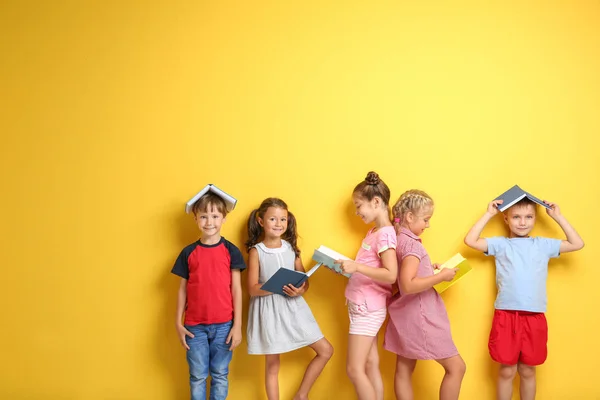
{"x": 518, "y": 336}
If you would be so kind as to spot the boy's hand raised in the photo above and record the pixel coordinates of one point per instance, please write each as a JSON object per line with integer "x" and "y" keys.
{"x": 182, "y": 333}
{"x": 554, "y": 210}
{"x": 493, "y": 207}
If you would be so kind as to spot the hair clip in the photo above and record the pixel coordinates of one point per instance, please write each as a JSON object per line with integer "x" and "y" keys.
{"x": 396, "y": 219}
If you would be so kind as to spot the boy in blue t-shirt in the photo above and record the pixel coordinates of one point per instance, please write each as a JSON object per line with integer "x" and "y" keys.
{"x": 519, "y": 331}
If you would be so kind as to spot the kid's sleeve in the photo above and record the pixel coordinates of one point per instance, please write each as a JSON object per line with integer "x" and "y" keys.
{"x": 386, "y": 241}
{"x": 181, "y": 267}
{"x": 495, "y": 245}
{"x": 551, "y": 247}
{"x": 237, "y": 260}
{"x": 411, "y": 248}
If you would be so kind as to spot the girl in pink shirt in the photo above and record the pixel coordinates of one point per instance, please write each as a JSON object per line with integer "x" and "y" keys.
{"x": 370, "y": 285}
{"x": 419, "y": 328}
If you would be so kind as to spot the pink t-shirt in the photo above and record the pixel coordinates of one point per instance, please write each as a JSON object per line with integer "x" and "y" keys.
{"x": 362, "y": 289}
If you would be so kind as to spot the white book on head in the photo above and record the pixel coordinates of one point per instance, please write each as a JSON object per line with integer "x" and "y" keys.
{"x": 229, "y": 200}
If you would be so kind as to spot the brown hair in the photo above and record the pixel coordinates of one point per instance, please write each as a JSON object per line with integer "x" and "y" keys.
{"x": 372, "y": 187}
{"x": 210, "y": 199}
{"x": 255, "y": 231}
{"x": 524, "y": 202}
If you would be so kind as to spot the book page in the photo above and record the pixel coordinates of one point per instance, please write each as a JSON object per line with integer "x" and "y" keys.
{"x": 313, "y": 269}
{"x": 332, "y": 253}
{"x": 222, "y": 194}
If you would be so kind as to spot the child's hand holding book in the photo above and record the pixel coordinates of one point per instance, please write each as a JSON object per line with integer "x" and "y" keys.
{"x": 448, "y": 274}
{"x": 293, "y": 291}
{"x": 347, "y": 266}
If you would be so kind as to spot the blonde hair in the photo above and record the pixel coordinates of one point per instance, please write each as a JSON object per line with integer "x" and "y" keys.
{"x": 411, "y": 201}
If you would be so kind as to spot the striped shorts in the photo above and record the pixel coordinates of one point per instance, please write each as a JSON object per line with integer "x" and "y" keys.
{"x": 365, "y": 322}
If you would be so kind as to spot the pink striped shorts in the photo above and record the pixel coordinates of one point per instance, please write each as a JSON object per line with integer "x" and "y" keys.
{"x": 365, "y": 322}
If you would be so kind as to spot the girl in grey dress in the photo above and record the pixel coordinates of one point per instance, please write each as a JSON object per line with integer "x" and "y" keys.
{"x": 279, "y": 324}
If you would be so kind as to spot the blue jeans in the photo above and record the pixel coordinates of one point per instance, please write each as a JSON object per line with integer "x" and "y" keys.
{"x": 209, "y": 354}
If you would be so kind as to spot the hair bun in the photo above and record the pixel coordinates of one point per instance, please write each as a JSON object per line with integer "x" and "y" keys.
{"x": 372, "y": 178}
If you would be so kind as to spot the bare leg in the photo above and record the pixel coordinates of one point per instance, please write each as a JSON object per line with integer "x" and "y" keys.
{"x": 272, "y": 376}
{"x": 455, "y": 371}
{"x": 527, "y": 374}
{"x": 506, "y": 375}
{"x": 324, "y": 351}
{"x": 359, "y": 347}
{"x": 373, "y": 372}
{"x": 403, "y": 378}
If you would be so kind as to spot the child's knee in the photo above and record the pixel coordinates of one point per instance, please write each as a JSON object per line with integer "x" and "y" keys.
{"x": 219, "y": 370}
{"x": 272, "y": 366}
{"x": 372, "y": 360}
{"x": 327, "y": 351}
{"x": 198, "y": 366}
{"x": 403, "y": 373}
{"x": 507, "y": 371}
{"x": 353, "y": 370}
{"x": 526, "y": 371}
{"x": 459, "y": 368}
{"x": 198, "y": 374}
{"x": 372, "y": 363}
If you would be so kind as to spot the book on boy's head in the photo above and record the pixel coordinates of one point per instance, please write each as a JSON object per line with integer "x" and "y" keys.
{"x": 514, "y": 195}
{"x": 457, "y": 261}
{"x": 285, "y": 276}
{"x": 230, "y": 201}
{"x": 327, "y": 257}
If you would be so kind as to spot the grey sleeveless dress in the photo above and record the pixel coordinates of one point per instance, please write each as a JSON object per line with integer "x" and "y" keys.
{"x": 278, "y": 324}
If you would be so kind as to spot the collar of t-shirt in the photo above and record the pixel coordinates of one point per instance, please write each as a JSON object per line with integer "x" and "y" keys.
{"x": 409, "y": 233}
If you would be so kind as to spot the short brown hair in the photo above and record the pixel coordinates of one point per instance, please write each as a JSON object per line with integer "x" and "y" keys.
{"x": 205, "y": 202}
{"x": 524, "y": 202}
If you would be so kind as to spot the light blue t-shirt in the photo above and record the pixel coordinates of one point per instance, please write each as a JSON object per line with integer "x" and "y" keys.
{"x": 522, "y": 270}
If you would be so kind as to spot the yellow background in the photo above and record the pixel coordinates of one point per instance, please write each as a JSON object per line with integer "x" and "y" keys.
{"x": 113, "y": 114}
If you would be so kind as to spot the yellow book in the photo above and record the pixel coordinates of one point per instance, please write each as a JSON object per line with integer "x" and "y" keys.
{"x": 458, "y": 261}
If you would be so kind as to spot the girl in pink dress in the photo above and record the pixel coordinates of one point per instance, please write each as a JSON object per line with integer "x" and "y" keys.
{"x": 418, "y": 328}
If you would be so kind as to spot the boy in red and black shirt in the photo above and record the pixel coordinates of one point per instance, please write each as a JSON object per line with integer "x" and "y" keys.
{"x": 210, "y": 294}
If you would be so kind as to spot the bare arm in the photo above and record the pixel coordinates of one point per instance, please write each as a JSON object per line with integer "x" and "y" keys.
{"x": 181, "y": 303}
{"x": 473, "y": 238}
{"x": 410, "y": 283}
{"x": 298, "y": 266}
{"x": 253, "y": 269}
{"x": 387, "y": 273}
{"x": 235, "y": 335}
{"x": 574, "y": 242}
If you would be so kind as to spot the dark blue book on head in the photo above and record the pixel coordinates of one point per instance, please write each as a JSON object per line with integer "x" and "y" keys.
{"x": 284, "y": 277}
{"x": 514, "y": 195}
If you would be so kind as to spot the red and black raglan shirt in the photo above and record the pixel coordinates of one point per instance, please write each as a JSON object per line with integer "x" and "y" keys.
{"x": 207, "y": 269}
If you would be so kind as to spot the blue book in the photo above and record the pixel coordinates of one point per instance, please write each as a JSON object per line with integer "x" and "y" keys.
{"x": 285, "y": 276}
{"x": 327, "y": 257}
{"x": 514, "y": 195}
